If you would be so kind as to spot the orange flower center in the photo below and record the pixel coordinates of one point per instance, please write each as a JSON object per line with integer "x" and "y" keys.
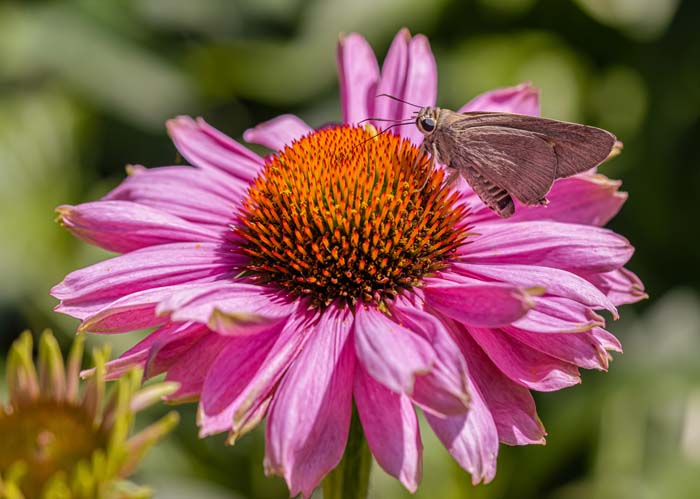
{"x": 347, "y": 214}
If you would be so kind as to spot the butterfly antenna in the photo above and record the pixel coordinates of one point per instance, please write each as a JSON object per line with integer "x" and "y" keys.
{"x": 400, "y": 100}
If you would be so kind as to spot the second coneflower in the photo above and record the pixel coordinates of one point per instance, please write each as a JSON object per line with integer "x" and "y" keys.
{"x": 324, "y": 276}
{"x": 60, "y": 438}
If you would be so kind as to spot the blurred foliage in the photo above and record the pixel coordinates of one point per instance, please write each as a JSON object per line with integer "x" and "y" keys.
{"x": 85, "y": 86}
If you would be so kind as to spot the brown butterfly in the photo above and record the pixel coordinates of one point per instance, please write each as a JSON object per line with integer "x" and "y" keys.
{"x": 503, "y": 155}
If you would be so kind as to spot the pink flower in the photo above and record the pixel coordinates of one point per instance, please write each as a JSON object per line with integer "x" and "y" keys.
{"x": 289, "y": 287}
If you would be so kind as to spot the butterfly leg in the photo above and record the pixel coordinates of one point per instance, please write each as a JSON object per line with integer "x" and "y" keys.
{"x": 424, "y": 150}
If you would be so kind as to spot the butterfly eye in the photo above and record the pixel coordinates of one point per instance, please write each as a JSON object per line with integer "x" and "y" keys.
{"x": 427, "y": 124}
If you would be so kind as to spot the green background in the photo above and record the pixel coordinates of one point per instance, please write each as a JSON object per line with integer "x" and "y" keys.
{"x": 85, "y": 87}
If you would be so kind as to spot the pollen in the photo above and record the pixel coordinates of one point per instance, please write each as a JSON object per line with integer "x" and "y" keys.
{"x": 347, "y": 214}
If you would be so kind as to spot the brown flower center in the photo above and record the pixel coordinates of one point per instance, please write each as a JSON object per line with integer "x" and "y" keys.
{"x": 346, "y": 214}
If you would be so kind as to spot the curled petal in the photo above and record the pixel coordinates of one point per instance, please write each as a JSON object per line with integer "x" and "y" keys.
{"x": 521, "y": 99}
{"x": 129, "y": 313}
{"x": 206, "y": 147}
{"x": 309, "y": 419}
{"x": 233, "y": 406}
{"x": 391, "y": 354}
{"x": 278, "y": 132}
{"x": 621, "y": 286}
{"x": 511, "y": 405}
{"x": 358, "y": 72}
{"x": 443, "y": 390}
{"x": 391, "y": 428}
{"x": 471, "y": 438}
{"x": 524, "y": 365}
{"x": 124, "y": 226}
{"x": 486, "y": 304}
{"x": 230, "y": 308}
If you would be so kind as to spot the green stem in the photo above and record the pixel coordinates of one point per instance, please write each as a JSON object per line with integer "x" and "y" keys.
{"x": 350, "y": 479}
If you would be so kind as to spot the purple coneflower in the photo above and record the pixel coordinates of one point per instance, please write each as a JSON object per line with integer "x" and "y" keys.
{"x": 323, "y": 277}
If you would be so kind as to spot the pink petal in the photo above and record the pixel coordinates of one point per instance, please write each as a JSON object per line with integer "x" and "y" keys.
{"x": 278, "y": 132}
{"x": 580, "y": 349}
{"x": 554, "y": 314}
{"x": 309, "y": 419}
{"x": 553, "y": 281}
{"x": 191, "y": 370}
{"x": 164, "y": 341}
{"x": 511, "y": 405}
{"x": 524, "y": 365}
{"x": 170, "y": 348}
{"x": 208, "y": 148}
{"x": 588, "y": 199}
{"x": 444, "y": 390}
{"x": 231, "y": 308}
{"x": 421, "y": 83}
{"x": 549, "y": 244}
{"x": 521, "y": 99}
{"x": 621, "y": 286}
{"x": 393, "y": 80}
{"x": 203, "y": 197}
{"x": 487, "y": 304}
{"x": 391, "y": 428}
{"x": 471, "y": 438}
{"x": 229, "y": 375}
{"x": 124, "y": 226}
{"x": 358, "y": 73}
{"x": 261, "y": 376}
{"x": 607, "y": 339}
{"x": 129, "y": 313}
{"x": 390, "y": 353}
{"x": 151, "y": 267}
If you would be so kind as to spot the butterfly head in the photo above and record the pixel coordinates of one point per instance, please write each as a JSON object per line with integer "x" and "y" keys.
{"x": 427, "y": 120}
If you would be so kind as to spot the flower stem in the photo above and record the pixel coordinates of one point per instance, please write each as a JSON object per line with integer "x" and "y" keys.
{"x": 350, "y": 479}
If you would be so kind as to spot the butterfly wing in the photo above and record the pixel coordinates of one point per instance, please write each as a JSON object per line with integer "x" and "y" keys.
{"x": 525, "y": 154}
{"x": 493, "y": 196}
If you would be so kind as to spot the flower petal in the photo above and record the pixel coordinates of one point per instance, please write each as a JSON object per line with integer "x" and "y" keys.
{"x": 588, "y": 199}
{"x": 553, "y": 314}
{"x": 391, "y": 428}
{"x": 393, "y": 80}
{"x": 309, "y": 419}
{"x": 152, "y": 267}
{"x": 421, "y": 83}
{"x": 621, "y": 286}
{"x": 511, "y": 405}
{"x": 443, "y": 390}
{"x": 555, "y": 281}
{"x": 521, "y": 99}
{"x": 206, "y": 147}
{"x": 524, "y": 365}
{"x": 358, "y": 73}
{"x": 231, "y": 308}
{"x": 227, "y": 378}
{"x": 207, "y": 197}
{"x": 487, "y": 304}
{"x": 164, "y": 344}
{"x": 123, "y": 226}
{"x": 471, "y": 438}
{"x": 549, "y": 244}
{"x": 129, "y": 313}
{"x": 278, "y": 132}
{"x": 190, "y": 370}
{"x": 237, "y": 404}
{"x": 580, "y": 349}
{"x": 390, "y": 353}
